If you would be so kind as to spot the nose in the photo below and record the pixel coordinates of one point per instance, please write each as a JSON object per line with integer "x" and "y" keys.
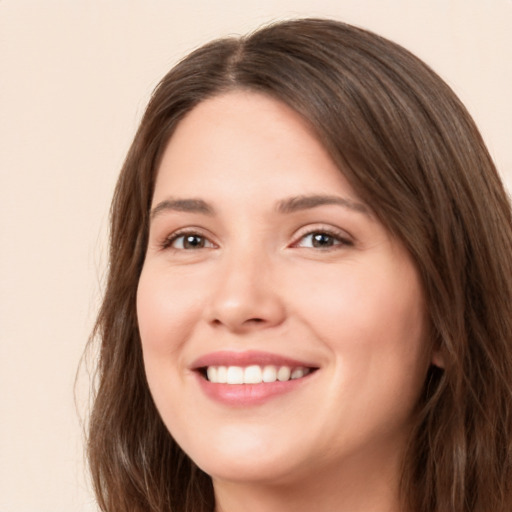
{"x": 246, "y": 297}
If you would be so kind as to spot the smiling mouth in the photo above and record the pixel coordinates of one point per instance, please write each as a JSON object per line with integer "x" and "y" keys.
{"x": 253, "y": 374}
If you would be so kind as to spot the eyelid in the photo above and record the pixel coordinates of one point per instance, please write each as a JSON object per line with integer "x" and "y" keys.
{"x": 166, "y": 242}
{"x": 340, "y": 235}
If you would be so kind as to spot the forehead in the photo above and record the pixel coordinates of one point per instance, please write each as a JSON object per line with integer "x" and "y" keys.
{"x": 249, "y": 139}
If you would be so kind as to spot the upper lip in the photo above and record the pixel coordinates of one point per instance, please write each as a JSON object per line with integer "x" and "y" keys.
{"x": 247, "y": 358}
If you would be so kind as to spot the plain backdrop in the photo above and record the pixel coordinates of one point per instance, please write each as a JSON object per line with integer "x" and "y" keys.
{"x": 74, "y": 80}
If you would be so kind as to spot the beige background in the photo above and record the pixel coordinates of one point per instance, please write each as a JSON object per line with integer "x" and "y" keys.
{"x": 74, "y": 79}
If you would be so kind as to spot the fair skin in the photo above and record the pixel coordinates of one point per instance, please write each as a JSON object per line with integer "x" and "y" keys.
{"x": 261, "y": 255}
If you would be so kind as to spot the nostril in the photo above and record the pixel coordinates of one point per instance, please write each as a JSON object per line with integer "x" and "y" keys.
{"x": 248, "y": 322}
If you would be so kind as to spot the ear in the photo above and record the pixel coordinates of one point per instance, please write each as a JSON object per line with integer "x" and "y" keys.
{"x": 438, "y": 359}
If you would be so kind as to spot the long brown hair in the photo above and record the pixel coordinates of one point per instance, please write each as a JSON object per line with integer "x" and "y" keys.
{"x": 410, "y": 150}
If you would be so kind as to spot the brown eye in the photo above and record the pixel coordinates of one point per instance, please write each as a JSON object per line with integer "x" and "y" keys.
{"x": 189, "y": 241}
{"x": 193, "y": 242}
{"x": 321, "y": 240}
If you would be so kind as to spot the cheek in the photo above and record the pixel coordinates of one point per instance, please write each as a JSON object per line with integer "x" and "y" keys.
{"x": 372, "y": 320}
{"x": 374, "y": 325}
{"x": 166, "y": 316}
{"x": 166, "y": 310}
{"x": 358, "y": 300}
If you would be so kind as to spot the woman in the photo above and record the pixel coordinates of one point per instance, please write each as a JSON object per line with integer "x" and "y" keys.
{"x": 309, "y": 295}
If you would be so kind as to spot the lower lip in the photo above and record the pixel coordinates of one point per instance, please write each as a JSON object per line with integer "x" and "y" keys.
{"x": 244, "y": 395}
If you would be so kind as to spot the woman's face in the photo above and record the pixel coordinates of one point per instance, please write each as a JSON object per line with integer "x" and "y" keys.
{"x": 267, "y": 273}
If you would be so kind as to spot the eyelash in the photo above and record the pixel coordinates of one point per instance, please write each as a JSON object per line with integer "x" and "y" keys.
{"x": 171, "y": 239}
{"x": 339, "y": 238}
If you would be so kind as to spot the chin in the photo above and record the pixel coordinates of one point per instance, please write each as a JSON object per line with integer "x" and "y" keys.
{"x": 239, "y": 458}
{"x": 254, "y": 471}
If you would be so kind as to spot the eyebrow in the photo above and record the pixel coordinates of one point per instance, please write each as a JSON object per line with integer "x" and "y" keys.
{"x": 289, "y": 205}
{"x": 182, "y": 205}
{"x": 298, "y": 203}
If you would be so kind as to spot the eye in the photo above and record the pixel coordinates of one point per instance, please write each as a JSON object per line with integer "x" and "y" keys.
{"x": 322, "y": 239}
{"x": 187, "y": 241}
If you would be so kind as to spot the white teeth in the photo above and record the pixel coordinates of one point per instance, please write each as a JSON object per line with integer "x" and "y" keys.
{"x": 235, "y": 375}
{"x": 283, "y": 373}
{"x": 222, "y": 374}
{"x": 211, "y": 373}
{"x": 297, "y": 373}
{"x": 253, "y": 374}
{"x": 269, "y": 374}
